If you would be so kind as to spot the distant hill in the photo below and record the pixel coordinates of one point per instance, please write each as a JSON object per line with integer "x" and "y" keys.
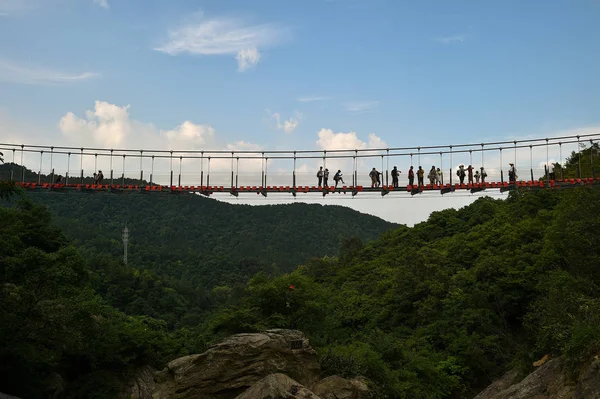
{"x": 202, "y": 240}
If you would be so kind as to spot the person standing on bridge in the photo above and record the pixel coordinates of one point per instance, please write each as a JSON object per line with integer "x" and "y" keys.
{"x": 483, "y": 175}
{"x": 432, "y": 175}
{"x": 438, "y": 177}
{"x": 461, "y": 173}
{"x": 470, "y": 173}
{"x": 325, "y": 178}
{"x": 374, "y": 175}
{"x": 420, "y": 174}
{"x": 99, "y": 177}
{"x": 320, "y": 176}
{"x": 338, "y": 177}
{"x": 477, "y": 176}
{"x": 411, "y": 176}
{"x": 512, "y": 174}
{"x": 395, "y": 173}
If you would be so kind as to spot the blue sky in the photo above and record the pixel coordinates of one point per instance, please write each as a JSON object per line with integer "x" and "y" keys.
{"x": 411, "y": 72}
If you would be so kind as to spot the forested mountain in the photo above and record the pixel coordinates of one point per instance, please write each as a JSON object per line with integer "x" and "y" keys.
{"x": 439, "y": 310}
{"x": 434, "y": 311}
{"x": 201, "y": 240}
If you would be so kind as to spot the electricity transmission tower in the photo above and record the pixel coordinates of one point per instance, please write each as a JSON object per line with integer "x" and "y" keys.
{"x": 125, "y": 242}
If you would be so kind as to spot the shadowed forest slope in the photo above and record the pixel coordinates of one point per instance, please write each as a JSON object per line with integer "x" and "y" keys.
{"x": 202, "y": 240}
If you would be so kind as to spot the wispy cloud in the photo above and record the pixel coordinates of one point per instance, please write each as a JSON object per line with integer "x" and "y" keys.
{"x": 361, "y": 106}
{"x": 247, "y": 58}
{"x": 224, "y": 36}
{"x": 288, "y": 125}
{"x": 312, "y": 98}
{"x": 14, "y": 72}
{"x": 102, "y": 3}
{"x": 451, "y": 39}
{"x": 10, "y": 7}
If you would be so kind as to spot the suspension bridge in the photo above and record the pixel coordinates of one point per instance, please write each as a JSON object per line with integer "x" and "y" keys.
{"x": 536, "y": 163}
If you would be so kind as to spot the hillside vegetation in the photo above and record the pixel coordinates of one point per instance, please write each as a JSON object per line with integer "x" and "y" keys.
{"x": 439, "y": 310}
{"x": 434, "y": 311}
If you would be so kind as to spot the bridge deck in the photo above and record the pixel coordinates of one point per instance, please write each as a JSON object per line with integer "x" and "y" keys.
{"x": 208, "y": 190}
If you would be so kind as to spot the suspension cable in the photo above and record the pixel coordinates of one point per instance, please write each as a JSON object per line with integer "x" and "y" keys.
{"x": 51, "y": 165}
{"x": 531, "y": 160}
{"x": 40, "y": 171}
{"x": 22, "y": 166}
{"x": 81, "y": 164}
{"x": 123, "y": 174}
{"x": 68, "y": 168}
{"x": 562, "y": 168}
{"x": 152, "y": 173}
{"x": 179, "y": 178}
{"x": 208, "y": 174}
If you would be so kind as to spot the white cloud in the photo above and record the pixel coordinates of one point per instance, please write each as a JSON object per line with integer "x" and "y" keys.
{"x": 288, "y": 125}
{"x": 247, "y": 58}
{"x": 361, "y": 106}
{"x": 224, "y": 36}
{"x": 451, "y": 39}
{"x": 11, "y": 71}
{"x": 328, "y": 140}
{"x": 190, "y": 135}
{"x": 102, "y": 3}
{"x": 312, "y": 98}
{"x": 110, "y": 126}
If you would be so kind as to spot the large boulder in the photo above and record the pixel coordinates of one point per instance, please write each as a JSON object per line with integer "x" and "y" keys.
{"x": 277, "y": 386}
{"x": 547, "y": 381}
{"x": 141, "y": 385}
{"x": 231, "y": 366}
{"x": 588, "y": 385}
{"x": 335, "y": 387}
{"x": 508, "y": 379}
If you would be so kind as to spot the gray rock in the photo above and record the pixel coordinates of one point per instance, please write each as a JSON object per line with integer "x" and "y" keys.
{"x": 335, "y": 387}
{"x": 546, "y": 382}
{"x": 588, "y": 385}
{"x": 277, "y": 386}
{"x": 141, "y": 385}
{"x": 231, "y": 366}
{"x": 508, "y": 379}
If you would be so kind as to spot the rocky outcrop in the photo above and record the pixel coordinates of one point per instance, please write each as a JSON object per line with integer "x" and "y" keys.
{"x": 141, "y": 385}
{"x": 335, "y": 387}
{"x": 233, "y": 365}
{"x": 277, "y": 386}
{"x": 508, "y": 379}
{"x": 588, "y": 385}
{"x": 548, "y": 381}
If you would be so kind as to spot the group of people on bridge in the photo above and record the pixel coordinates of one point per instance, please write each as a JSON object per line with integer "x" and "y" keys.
{"x": 435, "y": 176}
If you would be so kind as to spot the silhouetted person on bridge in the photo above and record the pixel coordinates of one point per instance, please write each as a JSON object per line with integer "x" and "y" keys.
{"x": 483, "y": 174}
{"x": 374, "y": 175}
{"x": 432, "y": 175}
{"x": 338, "y": 177}
{"x": 99, "y": 177}
{"x": 58, "y": 180}
{"x": 512, "y": 173}
{"x": 470, "y": 173}
{"x": 477, "y": 176}
{"x": 420, "y": 175}
{"x": 320, "y": 176}
{"x": 325, "y": 177}
{"x": 438, "y": 177}
{"x": 411, "y": 176}
{"x": 461, "y": 173}
{"x": 395, "y": 173}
